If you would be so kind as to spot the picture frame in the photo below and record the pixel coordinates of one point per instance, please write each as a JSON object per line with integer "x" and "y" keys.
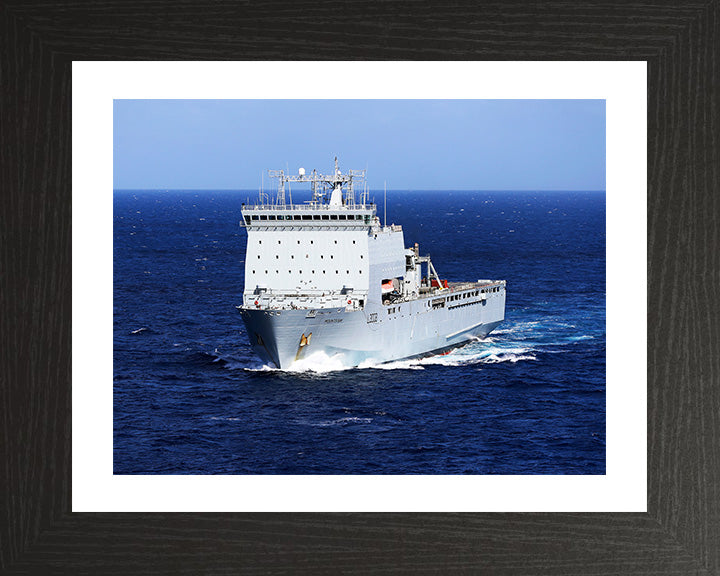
{"x": 679, "y": 533}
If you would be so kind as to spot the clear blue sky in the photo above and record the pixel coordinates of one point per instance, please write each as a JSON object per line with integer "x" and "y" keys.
{"x": 411, "y": 144}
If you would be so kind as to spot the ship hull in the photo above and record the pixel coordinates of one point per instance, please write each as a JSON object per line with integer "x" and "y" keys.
{"x": 373, "y": 335}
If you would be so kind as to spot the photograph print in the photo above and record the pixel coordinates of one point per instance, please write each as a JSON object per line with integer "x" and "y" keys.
{"x": 349, "y": 287}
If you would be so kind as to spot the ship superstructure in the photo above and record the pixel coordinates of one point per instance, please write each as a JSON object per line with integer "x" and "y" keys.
{"x": 327, "y": 276}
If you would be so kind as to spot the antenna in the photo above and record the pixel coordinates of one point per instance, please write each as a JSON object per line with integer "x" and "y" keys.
{"x": 385, "y": 208}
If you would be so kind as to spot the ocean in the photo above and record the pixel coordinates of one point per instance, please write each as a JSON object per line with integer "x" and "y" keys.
{"x": 190, "y": 397}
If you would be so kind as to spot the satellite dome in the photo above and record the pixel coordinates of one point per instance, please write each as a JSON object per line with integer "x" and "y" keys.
{"x": 301, "y": 171}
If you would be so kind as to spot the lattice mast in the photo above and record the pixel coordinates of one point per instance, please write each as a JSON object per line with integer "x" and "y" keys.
{"x": 336, "y": 189}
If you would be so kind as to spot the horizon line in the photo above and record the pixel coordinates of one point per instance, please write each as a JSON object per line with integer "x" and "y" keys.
{"x": 254, "y": 190}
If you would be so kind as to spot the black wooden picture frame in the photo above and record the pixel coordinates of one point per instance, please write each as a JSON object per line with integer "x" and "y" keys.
{"x": 680, "y": 533}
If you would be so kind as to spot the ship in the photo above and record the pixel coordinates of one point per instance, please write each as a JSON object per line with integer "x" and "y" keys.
{"x": 326, "y": 277}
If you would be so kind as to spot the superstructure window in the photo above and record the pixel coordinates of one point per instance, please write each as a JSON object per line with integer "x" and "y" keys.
{"x": 342, "y": 217}
{"x": 325, "y": 217}
{"x": 333, "y": 217}
{"x": 263, "y": 217}
{"x": 296, "y": 217}
{"x": 271, "y": 217}
{"x": 255, "y": 217}
{"x": 307, "y": 216}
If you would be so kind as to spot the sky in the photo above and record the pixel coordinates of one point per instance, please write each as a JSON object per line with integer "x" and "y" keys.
{"x": 408, "y": 144}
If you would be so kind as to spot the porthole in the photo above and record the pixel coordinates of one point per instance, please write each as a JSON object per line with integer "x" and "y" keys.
{"x": 258, "y": 256}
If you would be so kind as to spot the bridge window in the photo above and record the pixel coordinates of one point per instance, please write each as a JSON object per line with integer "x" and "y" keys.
{"x": 296, "y": 217}
{"x": 325, "y": 217}
{"x": 333, "y": 217}
{"x": 263, "y": 217}
{"x": 307, "y": 216}
{"x": 342, "y": 217}
{"x": 271, "y": 217}
{"x": 255, "y": 217}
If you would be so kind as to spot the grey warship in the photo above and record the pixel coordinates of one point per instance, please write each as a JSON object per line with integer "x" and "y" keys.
{"x": 326, "y": 276}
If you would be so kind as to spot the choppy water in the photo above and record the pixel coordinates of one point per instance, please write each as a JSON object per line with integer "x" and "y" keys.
{"x": 190, "y": 397}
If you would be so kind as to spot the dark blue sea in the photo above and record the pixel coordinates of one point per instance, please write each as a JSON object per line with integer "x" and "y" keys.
{"x": 191, "y": 398}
